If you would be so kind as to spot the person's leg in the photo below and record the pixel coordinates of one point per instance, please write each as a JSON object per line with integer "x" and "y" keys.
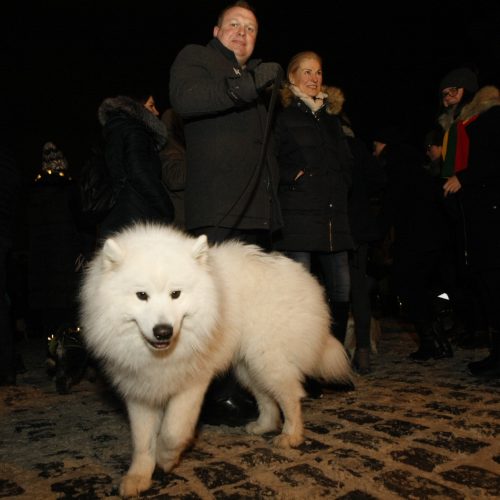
{"x": 335, "y": 269}
{"x": 489, "y": 367}
{"x": 336, "y": 277}
{"x": 414, "y": 271}
{"x": 303, "y": 258}
{"x": 361, "y": 306}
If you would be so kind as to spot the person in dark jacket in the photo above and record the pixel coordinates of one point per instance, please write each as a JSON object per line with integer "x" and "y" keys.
{"x": 54, "y": 245}
{"x": 411, "y": 206}
{"x": 472, "y": 153}
{"x": 368, "y": 181}
{"x": 232, "y": 174}
{"x": 133, "y": 137}
{"x": 315, "y": 177}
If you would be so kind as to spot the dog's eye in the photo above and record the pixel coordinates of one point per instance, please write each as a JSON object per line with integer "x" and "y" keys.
{"x": 175, "y": 294}
{"x": 142, "y": 295}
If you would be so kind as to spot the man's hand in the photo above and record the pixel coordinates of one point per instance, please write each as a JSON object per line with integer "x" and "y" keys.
{"x": 266, "y": 73}
{"x": 242, "y": 89}
{"x": 452, "y": 185}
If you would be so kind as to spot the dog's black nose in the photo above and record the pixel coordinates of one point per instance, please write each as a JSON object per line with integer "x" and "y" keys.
{"x": 162, "y": 332}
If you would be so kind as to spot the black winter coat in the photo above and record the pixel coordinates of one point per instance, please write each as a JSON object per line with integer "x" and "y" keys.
{"x": 412, "y": 202}
{"x": 54, "y": 244}
{"x": 224, "y": 185}
{"x": 314, "y": 207}
{"x": 133, "y": 137}
{"x": 480, "y": 181}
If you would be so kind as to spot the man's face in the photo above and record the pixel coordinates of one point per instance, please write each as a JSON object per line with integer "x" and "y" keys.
{"x": 238, "y": 32}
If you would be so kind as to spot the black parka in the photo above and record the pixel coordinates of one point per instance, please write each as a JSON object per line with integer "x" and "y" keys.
{"x": 314, "y": 206}
{"x": 225, "y": 185}
{"x": 133, "y": 137}
{"x": 480, "y": 193}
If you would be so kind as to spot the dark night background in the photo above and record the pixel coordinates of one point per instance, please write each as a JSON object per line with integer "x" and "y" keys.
{"x": 70, "y": 55}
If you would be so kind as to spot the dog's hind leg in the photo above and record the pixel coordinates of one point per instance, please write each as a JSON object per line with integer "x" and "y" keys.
{"x": 144, "y": 424}
{"x": 178, "y": 426}
{"x": 269, "y": 414}
{"x": 289, "y": 399}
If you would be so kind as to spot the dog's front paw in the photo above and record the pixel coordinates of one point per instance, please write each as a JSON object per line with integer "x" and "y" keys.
{"x": 288, "y": 441}
{"x": 133, "y": 484}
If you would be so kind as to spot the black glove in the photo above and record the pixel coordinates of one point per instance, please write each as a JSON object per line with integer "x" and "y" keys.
{"x": 242, "y": 89}
{"x": 266, "y": 73}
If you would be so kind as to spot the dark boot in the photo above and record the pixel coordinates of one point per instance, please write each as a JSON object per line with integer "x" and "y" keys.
{"x": 488, "y": 367}
{"x": 340, "y": 315}
{"x": 313, "y": 388}
{"x": 433, "y": 343}
{"x": 362, "y": 360}
{"x": 228, "y": 403}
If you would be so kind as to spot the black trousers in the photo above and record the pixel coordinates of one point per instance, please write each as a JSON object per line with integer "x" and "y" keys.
{"x": 361, "y": 285}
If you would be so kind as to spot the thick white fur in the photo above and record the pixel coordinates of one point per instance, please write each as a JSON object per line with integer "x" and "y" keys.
{"x": 262, "y": 313}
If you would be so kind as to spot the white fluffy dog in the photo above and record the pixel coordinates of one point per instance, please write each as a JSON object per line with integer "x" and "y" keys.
{"x": 165, "y": 312}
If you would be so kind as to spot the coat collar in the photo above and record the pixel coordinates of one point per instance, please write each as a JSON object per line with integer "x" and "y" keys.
{"x": 333, "y": 101}
{"x": 112, "y": 106}
{"x": 484, "y": 99}
{"x": 216, "y": 44}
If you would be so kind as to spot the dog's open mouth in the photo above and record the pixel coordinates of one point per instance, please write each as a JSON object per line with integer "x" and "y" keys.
{"x": 159, "y": 345}
{"x": 162, "y": 337}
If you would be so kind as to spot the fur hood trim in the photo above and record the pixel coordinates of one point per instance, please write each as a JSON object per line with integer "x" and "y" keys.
{"x": 334, "y": 101}
{"x": 112, "y": 106}
{"x": 485, "y": 98}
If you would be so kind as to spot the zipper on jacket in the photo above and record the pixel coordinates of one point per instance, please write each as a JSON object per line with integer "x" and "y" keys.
{"x": 330, "y": 234}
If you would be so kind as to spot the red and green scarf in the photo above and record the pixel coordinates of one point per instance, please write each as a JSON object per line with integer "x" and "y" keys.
{"x": 456, "y": 148}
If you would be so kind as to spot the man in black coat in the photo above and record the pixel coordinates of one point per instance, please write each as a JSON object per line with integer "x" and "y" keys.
{"x": 232, "y": 172}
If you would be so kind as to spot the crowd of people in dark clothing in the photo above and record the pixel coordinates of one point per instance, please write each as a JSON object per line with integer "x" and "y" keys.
{"x": 249, "y": 151}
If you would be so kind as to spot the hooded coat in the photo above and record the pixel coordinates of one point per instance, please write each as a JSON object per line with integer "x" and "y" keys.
{"x": 133, "y": 138}
{"x": 226, "y": 184}
{"x": 314, "y": 206}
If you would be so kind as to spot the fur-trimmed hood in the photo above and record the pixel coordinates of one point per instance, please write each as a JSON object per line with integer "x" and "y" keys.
{"x": 485, "y": 98}
{"x": 112, "y": 106}
{"x": 334, "y": 100}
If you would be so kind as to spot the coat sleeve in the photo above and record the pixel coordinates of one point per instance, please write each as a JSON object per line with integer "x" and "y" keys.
{"x": 173, "y": 164}
{"x": 198, "y": 84}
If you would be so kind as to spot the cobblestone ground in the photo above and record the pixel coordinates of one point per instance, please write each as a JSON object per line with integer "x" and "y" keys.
{"x": 413, "y": 431}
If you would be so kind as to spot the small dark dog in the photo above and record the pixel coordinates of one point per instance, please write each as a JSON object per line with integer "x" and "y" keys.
{"x": 67, "y": 359}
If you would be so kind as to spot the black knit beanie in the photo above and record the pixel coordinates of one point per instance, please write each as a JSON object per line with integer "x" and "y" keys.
{"x": 462, "y": 78}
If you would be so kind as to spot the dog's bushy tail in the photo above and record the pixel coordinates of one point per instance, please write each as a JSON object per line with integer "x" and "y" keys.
{"x": 334, "y": 365}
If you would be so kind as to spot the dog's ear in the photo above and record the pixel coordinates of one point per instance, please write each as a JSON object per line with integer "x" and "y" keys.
{"x": 200, "y": 249}
{"x": 112, "y": 253}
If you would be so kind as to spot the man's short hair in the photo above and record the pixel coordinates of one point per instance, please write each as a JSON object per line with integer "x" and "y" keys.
{"x": 239, "y": 3}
